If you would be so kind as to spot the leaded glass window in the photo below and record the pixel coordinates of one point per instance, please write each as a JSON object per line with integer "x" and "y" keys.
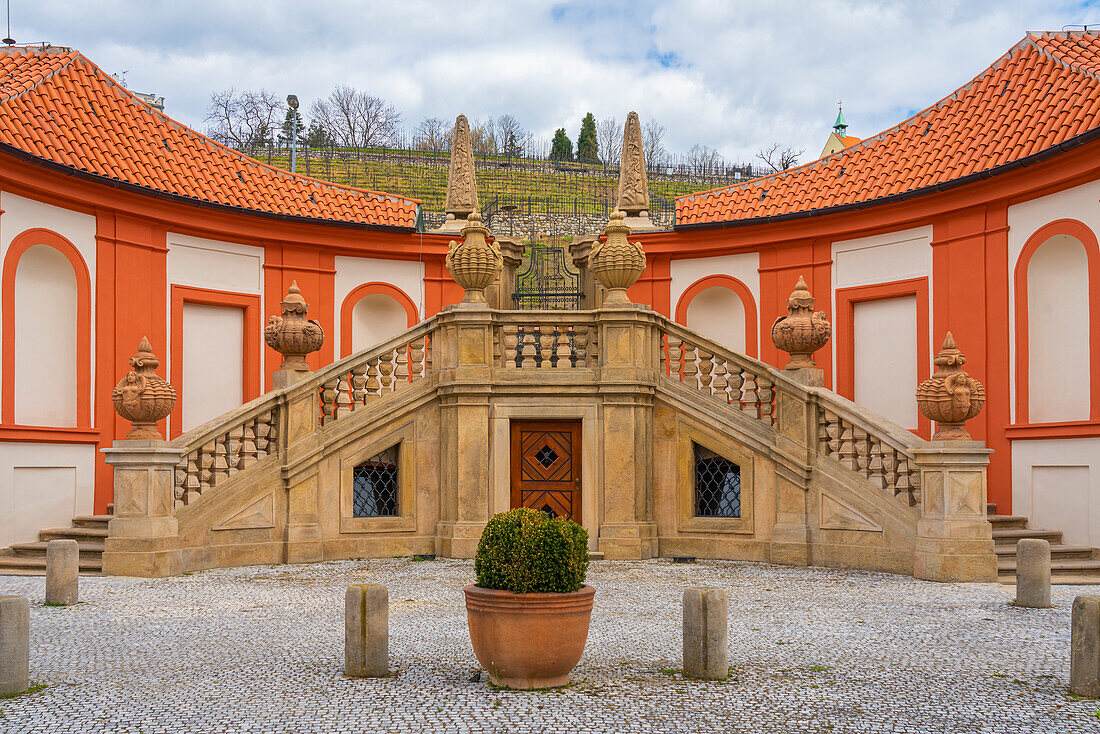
{"x": 717, "y": 485}
{"x": 374, "y": 485}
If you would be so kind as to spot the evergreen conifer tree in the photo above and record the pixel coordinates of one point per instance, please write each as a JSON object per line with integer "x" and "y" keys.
{"x": 561, "y": 147}
{"x": 588, "y": 149}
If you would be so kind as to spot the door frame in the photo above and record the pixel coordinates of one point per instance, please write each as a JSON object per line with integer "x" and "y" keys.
{"x": 515, "y": 453}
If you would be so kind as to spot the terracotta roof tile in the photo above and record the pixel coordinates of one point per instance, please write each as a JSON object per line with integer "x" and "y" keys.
{"x": 1044, "y": 91}
{"x": 57, "y": 105}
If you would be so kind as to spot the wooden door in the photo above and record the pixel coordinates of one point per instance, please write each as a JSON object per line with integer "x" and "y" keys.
{"x": 546, "y": 467}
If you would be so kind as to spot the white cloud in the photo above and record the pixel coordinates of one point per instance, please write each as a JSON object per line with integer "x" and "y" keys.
{"x": 734, "y": 75}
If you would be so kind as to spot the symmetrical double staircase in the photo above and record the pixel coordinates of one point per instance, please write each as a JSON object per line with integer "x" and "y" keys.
{"x": 1068, "y": 563}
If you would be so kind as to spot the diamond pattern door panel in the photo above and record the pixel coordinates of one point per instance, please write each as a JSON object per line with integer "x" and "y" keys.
{"x": 546, "y": 469}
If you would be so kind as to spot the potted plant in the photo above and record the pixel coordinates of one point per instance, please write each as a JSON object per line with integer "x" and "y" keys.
{"x": 530, "y": 609}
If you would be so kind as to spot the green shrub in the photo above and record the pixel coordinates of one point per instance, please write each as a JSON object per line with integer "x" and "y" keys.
{"x": 525, "y": 550}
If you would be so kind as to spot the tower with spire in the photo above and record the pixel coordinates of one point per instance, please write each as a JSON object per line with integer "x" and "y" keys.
{"x": 839, "y": 139}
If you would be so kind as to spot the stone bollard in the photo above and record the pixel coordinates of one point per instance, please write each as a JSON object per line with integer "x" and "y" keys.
{"x": 366, "y": 631}
{"x": 15, "y": 645}
{"x": 62, "y": 572}
{"x": 1084, "y": 647}
{"x": 706, "y": 650}
{"x": 1033, "y": 574}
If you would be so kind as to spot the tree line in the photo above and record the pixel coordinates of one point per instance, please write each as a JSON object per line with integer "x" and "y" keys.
{"x": 352, "y": 118}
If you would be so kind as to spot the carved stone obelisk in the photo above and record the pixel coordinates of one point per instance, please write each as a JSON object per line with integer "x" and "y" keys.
{"x": 633, "y": 197}
{"x": 461, "y": 182}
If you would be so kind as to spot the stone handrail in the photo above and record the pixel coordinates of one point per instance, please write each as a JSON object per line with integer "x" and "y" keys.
{"x": 545, "y": 339}
{"x": 870, "y": 445}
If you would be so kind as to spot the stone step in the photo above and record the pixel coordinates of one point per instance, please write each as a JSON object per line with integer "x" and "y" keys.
{"x": 1057, "y": 568}
{"x": 36, "y": 565}
{"x": 1010, "y": 536}
{"x": 1057, "y": 552}
{"x": 77, "y": 534}
{"x": 1006, "y": 522}
{"x": 91, "y": 521}
{"x": 38, "y": 549}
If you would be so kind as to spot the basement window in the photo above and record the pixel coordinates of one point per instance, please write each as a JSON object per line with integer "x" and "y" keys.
{"x": 717, "y": 485}
{"x": 374, "y": 485}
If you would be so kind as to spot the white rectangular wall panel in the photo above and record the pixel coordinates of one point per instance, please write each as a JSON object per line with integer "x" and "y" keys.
{"x": 213, "y": 362}
{"x": 1056, "y": 484}
{"x": 43, "y": 486}
{"x": 886, "y": 358}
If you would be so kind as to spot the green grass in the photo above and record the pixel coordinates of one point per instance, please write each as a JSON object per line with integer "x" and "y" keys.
{"x": 35, "y": 688}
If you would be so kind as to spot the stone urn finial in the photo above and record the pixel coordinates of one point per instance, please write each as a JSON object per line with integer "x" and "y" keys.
{"x": 291, "y": 334}
{"x": 142, "y": 396}
{"x": 474, "y": 263}
{"x": 617, "y": 262}
{"x": 950, "y": 396}
{"x": 801, "y": 332}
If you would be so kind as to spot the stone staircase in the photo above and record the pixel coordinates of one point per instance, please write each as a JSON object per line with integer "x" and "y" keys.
{"x": 89, "y": 531}
{"x": 1069, "y": 564}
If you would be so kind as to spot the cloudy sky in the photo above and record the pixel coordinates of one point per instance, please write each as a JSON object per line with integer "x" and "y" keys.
{"x": 734, "y": 75}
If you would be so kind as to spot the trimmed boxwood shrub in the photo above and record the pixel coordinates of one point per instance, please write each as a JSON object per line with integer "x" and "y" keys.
{"x": 526, "y": 550}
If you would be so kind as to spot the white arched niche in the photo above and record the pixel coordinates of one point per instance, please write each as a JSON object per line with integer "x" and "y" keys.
{"x": 718, "y": 314}
{"x": 374, "y": 319}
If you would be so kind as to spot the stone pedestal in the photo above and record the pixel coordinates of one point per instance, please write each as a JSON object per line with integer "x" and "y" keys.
{"x": 15, "y": 645}
{"x": 808, "y": 376}
{"x": 285, "y": 378}
{"x": 62, "y": 572}
{"x": 303, "y": 536}
{"x": 1033, "y": 573}
{"x": 499, "y": 295}
{"x": 143, "y": 536}
{"x": 954, "y": 538}
{"x": 706, "y": 646}
{"x": 1084, "y": 665}
{"x": 366, "y": 631}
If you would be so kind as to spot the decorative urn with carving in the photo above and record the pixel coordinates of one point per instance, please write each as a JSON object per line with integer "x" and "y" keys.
{"x": 474, "y": 263}
{"x": 142, "y": 396}
{"x": 616, "y": 262}
{"x": 292, "y": 335}
{"x": 801, "y": 332}
{"x": 950, "y": 396}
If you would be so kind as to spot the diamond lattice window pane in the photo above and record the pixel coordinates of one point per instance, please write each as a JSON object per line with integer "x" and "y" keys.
{"x": 374, "y": 485}
{"x": 546, "y": 456}
{"x": 717, "y": 485}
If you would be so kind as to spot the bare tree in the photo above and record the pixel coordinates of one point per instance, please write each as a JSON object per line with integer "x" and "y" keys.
{"x": 483, "y": 137}
{"x": 356, "y": 119}
{"x": 779, "y": 159}
{"x": 653, "y": 135}
{"x": 609, "y": 133}
{"x": 703, "y": 160}
{"x": 243, "y": 119}
{"x": 511, "y": 136}
{"x": 433, "y": 134}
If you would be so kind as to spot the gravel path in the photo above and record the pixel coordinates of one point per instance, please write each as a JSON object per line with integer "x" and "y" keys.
{"x": 260, "y": 650}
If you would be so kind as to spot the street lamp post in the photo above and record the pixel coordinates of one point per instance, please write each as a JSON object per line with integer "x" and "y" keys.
{"x": 292, "y": 100}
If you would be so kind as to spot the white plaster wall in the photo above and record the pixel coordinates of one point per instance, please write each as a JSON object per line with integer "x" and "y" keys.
{"x": 886, "y": 358}
{"x": 1056, "y": 484}
{"x": 222, "y": 266}
{"x": 744, "y": 266}
{"x": 1058, "y": 356}
{"x": 213, "y": 362}
{"x": 43, "y": 486}
{"x": 21, "y": 214}
{"x": 719, "y": 314}
{"x": 352, "y": 272}
{"x": 376, "y": 318}
{"x": 45, "y": 339}
{"x": 1081, "y": 203}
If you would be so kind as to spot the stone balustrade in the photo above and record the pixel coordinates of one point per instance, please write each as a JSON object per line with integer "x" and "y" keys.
{"x": 546, "y": 340}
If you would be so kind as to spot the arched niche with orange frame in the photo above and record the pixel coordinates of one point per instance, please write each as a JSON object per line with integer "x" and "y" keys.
{"x": 740, "y": 290}
{"x": 20, "y": 244}
{"x": 347, "y": 309}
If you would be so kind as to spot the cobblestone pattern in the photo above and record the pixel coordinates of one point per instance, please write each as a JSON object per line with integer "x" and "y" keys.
{"x": 260, "y": 650}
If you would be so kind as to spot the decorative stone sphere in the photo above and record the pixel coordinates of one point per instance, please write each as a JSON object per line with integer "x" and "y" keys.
{"x": 616, "y": 262}
{"x": 474, "y": 263}
{"x": 801, "y": 332}
{"x": 142, "y": 396}
{"x": 950, "y": 396}
{"x": 292, "y": 335}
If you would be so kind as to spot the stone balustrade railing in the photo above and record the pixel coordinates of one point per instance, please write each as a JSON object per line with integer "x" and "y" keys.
{"x": 545, "y": 339}
{"x": 390, "y": 367}
{"x": 742, "y": 382}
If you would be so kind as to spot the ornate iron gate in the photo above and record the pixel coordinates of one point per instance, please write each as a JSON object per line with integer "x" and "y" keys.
{"x": 548, "y": 282}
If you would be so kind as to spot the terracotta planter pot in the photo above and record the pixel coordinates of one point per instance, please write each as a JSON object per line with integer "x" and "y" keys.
{"x": 528, "y": 640}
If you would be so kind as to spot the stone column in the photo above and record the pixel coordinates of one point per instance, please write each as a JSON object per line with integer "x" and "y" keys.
{"x": 463, "y": 353}
{"x": 591, "y": 291}
{"x": 797, "y": 422}
{"x": 500, "y": 293}
{"x": 303, "y": 520}
{"x": 706, "y": 645}
{"x": 366, "y": 631}
{"x": 62, "y": 572}
{"x": 15, "y": 645}
{"x": 1084, "y": 664}
{"x": 143, "y": 535}
{"x": 627, "y": 349}
{"x": 954, "y": 538}
{"x": 1033, "y": 573}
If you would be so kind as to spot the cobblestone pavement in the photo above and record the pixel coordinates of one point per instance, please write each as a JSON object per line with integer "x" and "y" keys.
{"x": 260, "y": 650}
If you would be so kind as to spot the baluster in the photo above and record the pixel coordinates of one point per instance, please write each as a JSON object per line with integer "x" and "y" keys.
{"x": 220, "y": 468}
{"x": 401, "y": 375}
{"x": 915, "y": 487}
{"x": 328, "y": 400}
{"x": 206, "y": 466}
{"x": 889, "y": 467}
{"x": 847, "y": 452}
{"x": 689, "y": 369}
{"x": 766, "y": 390}
{"x": 179, "y": 481}
{"x": 192, "y": 486}
{"x": 385, "y": 367}
{"x": 674, "y": 354}
{"x": 248, "y": 445}
{"x": 706, "y": 366}
{"x": 875, "y": 470}
{"x": 736, "y": 380}
{"x": 863, "y": 450}
{"x": 580, "y": 346}
{"x": 720, "y": 383}
{"x": 511, "y": 342}
{"x": 374, "y": 387}
{"x": 428, "y": 351}
{"x": 750, "y": 398}
{"x": 343, "y": 402}
{"x": 546, "y": 346}
{"x": 564, "y": 351}
{"x": 263, "y": 435}
{"x": 528, "y": 348}
{"x": 830, "y": 433}
{"x": 359, "y": 384}
{"x": 416, "y": 359}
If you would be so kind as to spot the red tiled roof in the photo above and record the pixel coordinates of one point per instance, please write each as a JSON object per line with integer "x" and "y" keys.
{"x": 848, "y": 140}
{"x": 1043, "y": 92}
{"x": 58, "y": 106}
